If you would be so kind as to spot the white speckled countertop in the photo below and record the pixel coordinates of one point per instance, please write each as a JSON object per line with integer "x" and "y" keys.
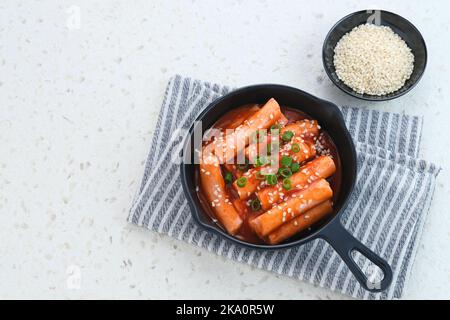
{"x": 81, "y": 83}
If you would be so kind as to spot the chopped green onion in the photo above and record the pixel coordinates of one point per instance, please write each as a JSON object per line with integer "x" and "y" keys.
{"x": 241, "y": 182}
{"x": 260, "y": 161}
{"x": 275, "y": 126}
{"x": 295, "y": 147}
{"x": 255, "y": 205}
{"x": 228, "y": 177}
{"x": 286, "y": 161}
{"x": 287, "y": 184}
{"x": 285, "y": 172}
{"x": 295, "y": 167}
{"x": 271, "y": 179}
{"x": 287, "y": 136}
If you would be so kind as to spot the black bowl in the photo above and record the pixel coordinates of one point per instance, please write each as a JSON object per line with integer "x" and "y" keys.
{"x": 331, "y": 120}
{"x": 405, "y": 29}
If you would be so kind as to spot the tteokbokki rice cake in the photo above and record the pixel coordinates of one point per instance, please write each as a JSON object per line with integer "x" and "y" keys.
{"x": 267, "y": 173}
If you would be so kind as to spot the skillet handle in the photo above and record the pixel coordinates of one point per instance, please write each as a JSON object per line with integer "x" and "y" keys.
{"x": 344, "y": 244}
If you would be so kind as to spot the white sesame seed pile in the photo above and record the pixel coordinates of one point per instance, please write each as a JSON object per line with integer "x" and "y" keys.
{"x": 373, "y": 60}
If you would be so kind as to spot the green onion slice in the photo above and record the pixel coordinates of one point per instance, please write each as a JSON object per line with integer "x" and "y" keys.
{"x": 228, "y": 177}
{"x": 255, "y": 205}
{"x": 287, "y": 136}
{"x": 295, "y": 167}
{"x": 286, "y": 161}
{"x": 241, "y": 182}
{"x": 295, "y": 147}
{"x": 260, "y": 161}
{"x": 275, "y": 126}
{"x": 287, "y": 184}
{"x": 271, "y": 179}
{"x": 285, "y": 172}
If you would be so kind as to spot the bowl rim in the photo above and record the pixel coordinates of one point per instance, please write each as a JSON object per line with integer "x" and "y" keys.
{"x": 365, "y": 97}
{"x": 195, "y": 210}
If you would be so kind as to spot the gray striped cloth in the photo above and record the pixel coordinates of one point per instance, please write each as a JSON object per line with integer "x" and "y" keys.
{"x": 387, "y": 209}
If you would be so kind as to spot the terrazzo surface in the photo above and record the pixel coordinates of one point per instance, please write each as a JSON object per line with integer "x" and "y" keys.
{"x": 81, "y": 83}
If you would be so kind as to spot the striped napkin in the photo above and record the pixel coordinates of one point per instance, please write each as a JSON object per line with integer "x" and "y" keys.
{"x": 387, "y": 209}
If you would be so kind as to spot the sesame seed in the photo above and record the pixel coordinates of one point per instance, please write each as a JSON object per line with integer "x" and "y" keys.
{"x": 373, "y": 59}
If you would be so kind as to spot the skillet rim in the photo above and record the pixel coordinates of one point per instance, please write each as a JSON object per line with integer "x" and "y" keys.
{"x": 196, "y": 211}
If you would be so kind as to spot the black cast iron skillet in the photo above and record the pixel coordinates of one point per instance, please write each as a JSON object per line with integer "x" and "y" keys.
{"x": 330, "y": 118}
